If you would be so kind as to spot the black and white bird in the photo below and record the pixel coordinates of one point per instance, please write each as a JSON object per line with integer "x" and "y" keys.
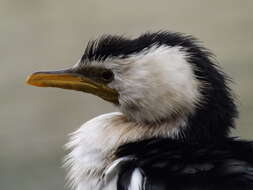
{"x": 173, "y": 128}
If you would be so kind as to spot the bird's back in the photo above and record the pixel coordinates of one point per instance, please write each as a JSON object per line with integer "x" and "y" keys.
{"x": 164, "y": 164}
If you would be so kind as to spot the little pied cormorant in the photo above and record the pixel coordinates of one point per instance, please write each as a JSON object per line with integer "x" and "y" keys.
{"x": 172, "y": 131}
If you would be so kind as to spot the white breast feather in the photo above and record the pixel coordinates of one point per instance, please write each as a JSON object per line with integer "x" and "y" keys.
{"x": 137, "y": 180}
{"x": 92, "y": 147}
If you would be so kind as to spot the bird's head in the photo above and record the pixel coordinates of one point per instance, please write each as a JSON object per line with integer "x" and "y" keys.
{"x": 155, "y": 78}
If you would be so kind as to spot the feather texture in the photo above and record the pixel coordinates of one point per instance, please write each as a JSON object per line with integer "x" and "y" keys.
{"x": 171, "y": 164}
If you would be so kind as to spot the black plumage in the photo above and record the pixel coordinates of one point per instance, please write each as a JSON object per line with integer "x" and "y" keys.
{"x": 180, "y": 165}
{"x": 115, "y": 46}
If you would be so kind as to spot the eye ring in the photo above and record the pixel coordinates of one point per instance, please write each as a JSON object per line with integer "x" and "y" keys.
{"x": 107, "y": 75}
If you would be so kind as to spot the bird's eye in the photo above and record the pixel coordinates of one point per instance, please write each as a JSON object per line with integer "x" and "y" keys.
{"x": 107, "y": 75}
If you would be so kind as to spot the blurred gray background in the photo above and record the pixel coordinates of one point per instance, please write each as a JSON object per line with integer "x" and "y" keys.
{"x": 51, "y": 34}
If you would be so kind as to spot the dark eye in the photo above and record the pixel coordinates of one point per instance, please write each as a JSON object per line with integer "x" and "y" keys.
{"x": 107, "y": 75}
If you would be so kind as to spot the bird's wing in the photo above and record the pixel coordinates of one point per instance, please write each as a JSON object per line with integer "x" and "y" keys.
{"x": 194, "y": 167}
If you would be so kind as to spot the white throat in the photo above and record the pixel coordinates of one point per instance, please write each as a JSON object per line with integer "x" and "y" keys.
{"x": 92, "y": 146}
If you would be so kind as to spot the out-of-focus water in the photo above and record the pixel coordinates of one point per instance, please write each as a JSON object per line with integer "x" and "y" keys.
{"x": 45, "y": 34}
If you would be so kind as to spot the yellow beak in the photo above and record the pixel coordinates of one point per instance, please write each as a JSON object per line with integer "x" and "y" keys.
{"x": 73, "y": 81}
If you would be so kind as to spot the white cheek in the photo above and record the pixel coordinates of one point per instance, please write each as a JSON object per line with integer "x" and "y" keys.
{"x": 160, "y": 82}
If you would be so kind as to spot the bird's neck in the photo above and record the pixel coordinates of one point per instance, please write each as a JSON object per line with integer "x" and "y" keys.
{"x": 94, "y": 144}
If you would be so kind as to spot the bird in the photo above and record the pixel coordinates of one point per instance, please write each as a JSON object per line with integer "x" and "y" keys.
{"x": 173, "y": 127}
